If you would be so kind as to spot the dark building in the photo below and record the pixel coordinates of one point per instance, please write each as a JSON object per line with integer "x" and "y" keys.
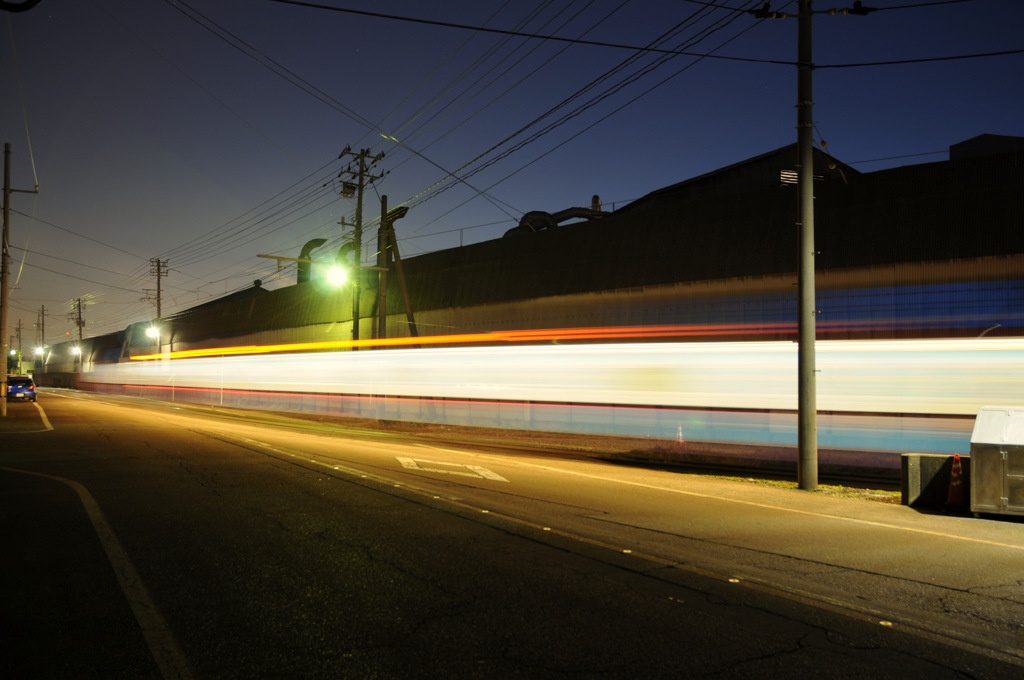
{"x": 926, "y": 250}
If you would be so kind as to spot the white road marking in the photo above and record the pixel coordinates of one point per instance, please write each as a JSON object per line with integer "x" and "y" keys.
{"x": 755, "y": 504}
{"x": 42, "y": 414}
{"x": 169, "y": 657}
{"x": 476, "y": 471}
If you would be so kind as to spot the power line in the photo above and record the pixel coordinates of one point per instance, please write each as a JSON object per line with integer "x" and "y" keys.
{"x": 61, "y": 259}
{"x": 628, "y": 79}
{"x": 79, "y": 278}
{"x": 921, "y": 60}
{"x": 75, "y": 233}
{"x": 598, "y": 43}
{"x": 533, "y": 36}
{"x": 282, "y": 72}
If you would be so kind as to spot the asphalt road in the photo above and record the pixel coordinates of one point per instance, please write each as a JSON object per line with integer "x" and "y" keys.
{"x": 144, "y": 540}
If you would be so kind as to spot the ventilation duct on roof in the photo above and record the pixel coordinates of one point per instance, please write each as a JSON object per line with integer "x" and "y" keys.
{"x": 304, "y": 259}
{"x": 538, "y": 220}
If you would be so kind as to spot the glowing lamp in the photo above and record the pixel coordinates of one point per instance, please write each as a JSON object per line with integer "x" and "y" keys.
{"x": 337, "y": 276}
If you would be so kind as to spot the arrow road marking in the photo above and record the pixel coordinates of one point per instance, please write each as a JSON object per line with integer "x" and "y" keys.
{"x": 422, "y": 465}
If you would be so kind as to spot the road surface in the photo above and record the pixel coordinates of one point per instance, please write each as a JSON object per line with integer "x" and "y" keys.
{"x": 148, "y": 540}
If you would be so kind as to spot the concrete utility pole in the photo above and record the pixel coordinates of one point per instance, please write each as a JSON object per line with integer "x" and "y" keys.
{"x": 159, "y": 270}
{"x": 383, "y": 262}
{"x": 807, "y": 395}
{"x": 17, "y": 333}
{"x": 76, "y": 316}
{"x": 807, "y": 390}
{"x": 5, "y": 267}
{"x": 360, "y": 172}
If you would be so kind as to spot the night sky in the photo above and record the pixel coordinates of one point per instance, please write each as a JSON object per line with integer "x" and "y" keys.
{"x": 206, "y": 132}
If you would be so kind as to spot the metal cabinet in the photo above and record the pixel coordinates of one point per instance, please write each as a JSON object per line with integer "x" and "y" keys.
{"x": 997, "y": 461}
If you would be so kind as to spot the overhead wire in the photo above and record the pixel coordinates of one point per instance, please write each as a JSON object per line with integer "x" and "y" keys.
{"x": 256, "y": 222}
{"x": 594, "y": 123}
{"x": 626, "y": 80}
{"x": 780, "y": 62}
{"x": 422, "y": 196}
{"x": 521, "y": 34}
{"x": 406, "y": 143}
{"x": 466, "y": 72}
{"x": 511, "y": 88}
{"x": 21, "y": 100}
{"x": 289, "y": 76}
{"x": 228, "y": 240}
{"x": 234, "y": 239}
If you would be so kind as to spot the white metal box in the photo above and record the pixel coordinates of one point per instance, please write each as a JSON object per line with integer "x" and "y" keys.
{"x": 997, "y": 461}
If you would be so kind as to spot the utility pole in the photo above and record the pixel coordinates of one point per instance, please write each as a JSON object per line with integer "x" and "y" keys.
{"x": 807, "y": 389}
{"x": 360, "y": 173}
{"x": 18, "y": 335}
{"x": 159, "y": 270}
{"x": 5, "y": 266}
{"x": 42, "y": 326}
{"x": 383, "y": 262}
{"x": 807, "y": 396}
{"x": 76, "y": 316}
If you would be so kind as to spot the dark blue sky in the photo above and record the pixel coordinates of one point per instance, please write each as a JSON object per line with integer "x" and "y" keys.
{"x": 208, "y": 139}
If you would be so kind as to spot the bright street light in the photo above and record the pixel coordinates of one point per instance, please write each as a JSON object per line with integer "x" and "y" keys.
{"x": 337, "y": 276}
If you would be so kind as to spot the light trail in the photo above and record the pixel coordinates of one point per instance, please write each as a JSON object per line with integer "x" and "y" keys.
{"x": 878, "y": 396}
{"x": 519, "y": 336}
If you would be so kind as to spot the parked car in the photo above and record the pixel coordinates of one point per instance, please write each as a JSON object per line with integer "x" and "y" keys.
{"x": 21, "y": 387}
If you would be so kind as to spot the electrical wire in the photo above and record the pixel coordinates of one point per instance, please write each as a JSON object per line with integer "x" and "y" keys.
{"x": 227, "y": 241}
{"x": 21, "y": 99}
{"x": 628, "y": 79}
{"x": 520, "y": 34}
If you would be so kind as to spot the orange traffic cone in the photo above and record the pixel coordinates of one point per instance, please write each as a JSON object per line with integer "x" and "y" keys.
{"x": 955, "y": 497}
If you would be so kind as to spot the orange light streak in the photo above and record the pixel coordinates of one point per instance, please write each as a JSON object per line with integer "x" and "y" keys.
{"x": 537, "y": 335}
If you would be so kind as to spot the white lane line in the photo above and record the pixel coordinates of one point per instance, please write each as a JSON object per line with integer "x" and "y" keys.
{"x": 42, "y": 414}
{"x": 169, "y": 657}
{"x": 755, "y": 504}
{"x": 475, "y": 471}
{"x": 47, "y": 427}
